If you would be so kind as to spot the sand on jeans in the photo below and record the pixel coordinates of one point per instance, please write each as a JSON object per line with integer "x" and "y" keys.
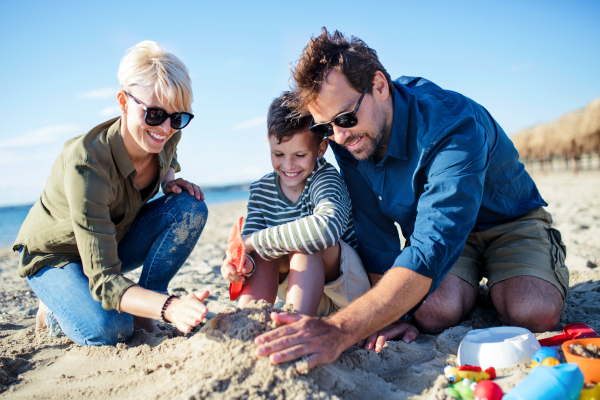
{"x": 216, "y": 360}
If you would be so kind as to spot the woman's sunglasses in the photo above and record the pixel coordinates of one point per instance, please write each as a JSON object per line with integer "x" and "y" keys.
{"x": 344, "y": 120}
{"x": 156, "y": 116}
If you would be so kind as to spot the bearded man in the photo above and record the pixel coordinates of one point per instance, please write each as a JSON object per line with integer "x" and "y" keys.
{"x": 436, "y": 163}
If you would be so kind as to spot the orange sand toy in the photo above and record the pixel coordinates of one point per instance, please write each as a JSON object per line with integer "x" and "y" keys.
{"x": 475, "y": 374}
{"x": 237, "y": 252}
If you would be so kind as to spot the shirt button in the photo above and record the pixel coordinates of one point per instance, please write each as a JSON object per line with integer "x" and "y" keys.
{"x": 380, "y": 198}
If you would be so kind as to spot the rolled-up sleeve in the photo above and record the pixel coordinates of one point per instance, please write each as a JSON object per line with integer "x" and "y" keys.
{"x": 378, "y": 242}
{"x": 448, "y": 207}
{"x": 88, "y": 191}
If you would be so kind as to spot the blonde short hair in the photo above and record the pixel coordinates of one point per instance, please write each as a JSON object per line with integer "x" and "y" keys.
{"x": 148, "y": 64}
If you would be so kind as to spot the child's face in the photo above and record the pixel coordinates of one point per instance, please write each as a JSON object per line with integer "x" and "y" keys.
{"x": 295, "y": 159}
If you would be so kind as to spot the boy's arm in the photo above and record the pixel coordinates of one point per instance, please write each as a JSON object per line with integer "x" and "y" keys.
{"x": 314, "y": 232}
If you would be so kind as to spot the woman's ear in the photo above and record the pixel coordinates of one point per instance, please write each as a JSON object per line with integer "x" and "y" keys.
{"x": 322, "y": 146}
{"x": 122, "y": 99}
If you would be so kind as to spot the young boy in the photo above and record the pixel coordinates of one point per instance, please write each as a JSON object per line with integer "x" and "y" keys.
{"x": 299, "y": 228}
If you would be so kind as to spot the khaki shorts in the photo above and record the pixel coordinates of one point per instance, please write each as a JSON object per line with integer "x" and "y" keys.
{"x": 526, "y": 246}
{"x": 352, "y": 283}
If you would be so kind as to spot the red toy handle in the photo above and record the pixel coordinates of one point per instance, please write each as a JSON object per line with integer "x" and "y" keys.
{"x": 237, "y": 252}
{"x": 571, "y": 331}
{"x": 235, "y": 289}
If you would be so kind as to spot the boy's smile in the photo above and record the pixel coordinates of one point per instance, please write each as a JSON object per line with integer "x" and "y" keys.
{"x": 294, "y": 160}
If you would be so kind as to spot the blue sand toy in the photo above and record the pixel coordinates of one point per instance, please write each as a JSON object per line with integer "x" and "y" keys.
{"x": 563, "y": 382}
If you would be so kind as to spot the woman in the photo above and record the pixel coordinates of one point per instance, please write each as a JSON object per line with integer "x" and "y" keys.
{"x": 93, "y": 221}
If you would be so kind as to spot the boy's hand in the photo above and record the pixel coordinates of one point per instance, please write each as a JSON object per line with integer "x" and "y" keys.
{"x": 230, "y": 272}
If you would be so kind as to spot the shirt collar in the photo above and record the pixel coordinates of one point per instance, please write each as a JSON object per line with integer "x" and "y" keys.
{"x": 397, "y": 146}
{"x": 117, "y": 147}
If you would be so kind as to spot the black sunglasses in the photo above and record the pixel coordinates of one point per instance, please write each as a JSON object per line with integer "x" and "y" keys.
{"x": 156, "y": 116}
{"x": 344, "y": 120}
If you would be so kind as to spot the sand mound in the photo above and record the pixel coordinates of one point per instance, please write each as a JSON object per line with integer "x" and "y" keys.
{"x": 217, "y": 361}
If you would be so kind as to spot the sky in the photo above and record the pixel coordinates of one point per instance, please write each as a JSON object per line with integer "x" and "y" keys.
{"x": 525, "y": 61}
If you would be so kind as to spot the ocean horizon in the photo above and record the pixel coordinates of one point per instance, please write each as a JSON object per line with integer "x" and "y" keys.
{"x": 12, "y": 217}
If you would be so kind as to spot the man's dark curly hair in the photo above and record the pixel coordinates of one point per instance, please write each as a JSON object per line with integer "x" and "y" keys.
{"x": 327, "y": 52}
{"x": 283, "y": 122}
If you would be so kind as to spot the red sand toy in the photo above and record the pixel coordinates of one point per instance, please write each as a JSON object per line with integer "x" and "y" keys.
{"x": 571, "y": 331}
{"x": 237, "y": 252}
{"x": 487, "y": 390}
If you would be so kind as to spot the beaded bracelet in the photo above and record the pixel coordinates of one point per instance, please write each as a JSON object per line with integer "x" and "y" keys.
{"x": 164, "y": 308}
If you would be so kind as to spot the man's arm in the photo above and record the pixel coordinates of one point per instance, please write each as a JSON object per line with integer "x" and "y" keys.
{"x": 446, "y": 213}
{"x": 323, "y": 340}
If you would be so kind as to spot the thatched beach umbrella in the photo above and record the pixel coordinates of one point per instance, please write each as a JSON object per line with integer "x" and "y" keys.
{"x": 589, "y": 137}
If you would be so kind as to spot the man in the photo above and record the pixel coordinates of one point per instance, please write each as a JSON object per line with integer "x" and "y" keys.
{"x": 439, "y": 165}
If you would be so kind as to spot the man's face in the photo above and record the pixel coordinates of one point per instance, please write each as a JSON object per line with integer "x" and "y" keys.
{"x": 337, "y": 96}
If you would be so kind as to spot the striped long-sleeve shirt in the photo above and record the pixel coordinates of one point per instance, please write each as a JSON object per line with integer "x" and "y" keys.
{"x": 318, "y": 219}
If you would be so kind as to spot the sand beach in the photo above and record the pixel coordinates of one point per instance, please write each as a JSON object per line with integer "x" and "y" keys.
{"x": 216, "y": 360}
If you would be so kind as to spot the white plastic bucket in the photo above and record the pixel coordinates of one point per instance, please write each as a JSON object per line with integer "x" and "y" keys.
{"x": 499, "y": 347}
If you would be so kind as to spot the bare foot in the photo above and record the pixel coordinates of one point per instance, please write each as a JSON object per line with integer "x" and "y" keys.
{"x": 40, "y": 318}
{"x": 147, "y": 324}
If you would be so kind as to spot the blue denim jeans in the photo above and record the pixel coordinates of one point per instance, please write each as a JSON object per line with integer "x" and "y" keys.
{"x": 160, "y": 239}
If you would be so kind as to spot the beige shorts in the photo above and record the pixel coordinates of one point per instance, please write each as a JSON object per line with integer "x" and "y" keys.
{"x": 527, "y": 246}
{"x": 352, "y": 283}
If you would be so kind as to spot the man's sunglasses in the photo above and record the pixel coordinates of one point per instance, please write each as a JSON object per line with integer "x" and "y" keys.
{"x": 344, "y": 120}
{"x": 156, "y": 116}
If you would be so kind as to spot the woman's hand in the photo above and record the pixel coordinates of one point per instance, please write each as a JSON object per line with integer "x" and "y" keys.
{"x": 187, "y": 312}
{"x": 230, "y": 272}
{"x": 179, "y": 184}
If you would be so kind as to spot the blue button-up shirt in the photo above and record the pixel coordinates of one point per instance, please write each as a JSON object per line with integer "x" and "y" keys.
{"x": 449, "y": 170}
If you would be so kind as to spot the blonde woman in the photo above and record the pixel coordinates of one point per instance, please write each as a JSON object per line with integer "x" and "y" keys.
{"x": 94, "y": 220}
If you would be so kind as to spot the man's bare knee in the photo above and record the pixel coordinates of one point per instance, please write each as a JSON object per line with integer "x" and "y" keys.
{"x": 451, "y": 302}
{"x": 528, "y": 302}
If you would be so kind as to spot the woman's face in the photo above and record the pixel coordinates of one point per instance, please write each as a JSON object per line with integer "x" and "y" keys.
{"x": 139, "y": 137}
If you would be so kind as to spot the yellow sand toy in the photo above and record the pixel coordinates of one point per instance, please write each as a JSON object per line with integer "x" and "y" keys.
{"x": 545, "y": 356}
{"x": 474, "y": 374}
{"x": 590, "y": 394}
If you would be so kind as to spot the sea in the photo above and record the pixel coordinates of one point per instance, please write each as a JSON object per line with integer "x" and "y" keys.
{"x": 12, "y": 217}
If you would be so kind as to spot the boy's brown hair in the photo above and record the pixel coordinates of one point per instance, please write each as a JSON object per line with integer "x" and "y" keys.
{"x": 283, "y": 122}
{"x": 327, "y": 52}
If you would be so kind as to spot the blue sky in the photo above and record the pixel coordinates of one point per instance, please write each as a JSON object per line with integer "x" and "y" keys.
{"x": 526, "y": 62}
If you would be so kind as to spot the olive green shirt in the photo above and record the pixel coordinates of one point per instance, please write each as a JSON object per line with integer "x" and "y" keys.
{"x": 88, "y": 204}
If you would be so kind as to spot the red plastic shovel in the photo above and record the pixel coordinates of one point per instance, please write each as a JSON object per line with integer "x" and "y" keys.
{"x": 237, "y": 252}
{"x": 571, "y": 331}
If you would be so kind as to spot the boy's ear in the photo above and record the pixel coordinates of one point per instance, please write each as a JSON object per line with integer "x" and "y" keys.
{"x": 323, "y": 147}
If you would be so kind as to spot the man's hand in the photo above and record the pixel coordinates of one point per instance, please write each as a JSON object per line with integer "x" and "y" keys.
{"x": 301, "y": 336}
{"x": 230, "y": 272}
{"x": 179, "y": 184}
{"x": 403, "y": 330}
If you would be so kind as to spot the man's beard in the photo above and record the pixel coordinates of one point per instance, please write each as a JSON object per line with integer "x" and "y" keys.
{"x": 370, "y": 145}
